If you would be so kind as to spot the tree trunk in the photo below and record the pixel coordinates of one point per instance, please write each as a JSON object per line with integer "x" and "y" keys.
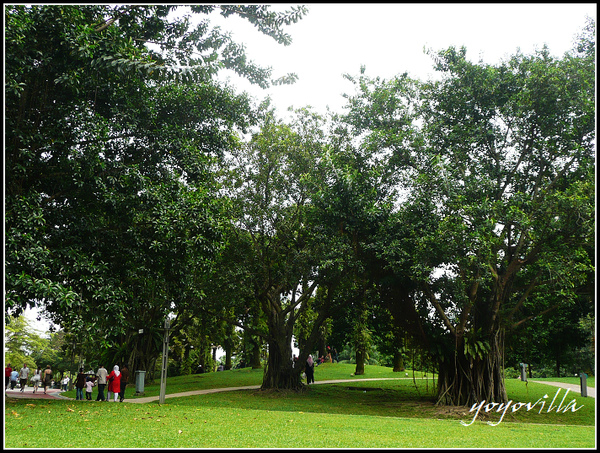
{"x": 398, "y": 362}
{"x": 228, "y": 350}
{"x": 464, "y": 380}
{"x": 255, "y": 355}
{"x": 279, "y": 372}
{"x": 360, "y": 362}
{"x": 322, "y": 349}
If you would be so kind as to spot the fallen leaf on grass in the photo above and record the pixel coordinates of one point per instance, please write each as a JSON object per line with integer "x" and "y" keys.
{"x": 70, "y": 410}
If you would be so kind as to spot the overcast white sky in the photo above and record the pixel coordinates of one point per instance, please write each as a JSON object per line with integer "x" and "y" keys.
{"x": 389, "y": 38}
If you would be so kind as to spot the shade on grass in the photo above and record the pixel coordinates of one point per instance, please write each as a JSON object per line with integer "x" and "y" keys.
{"x": 364, "y": 414}
{"x": 179, "y": 426}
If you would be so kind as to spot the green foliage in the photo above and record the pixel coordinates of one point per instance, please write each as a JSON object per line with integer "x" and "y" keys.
{"x": 474, "y": 346}
{"x": 497, "y": 161}
{"x": 22, "y": 344}
{"x": 113, "y": 131}
{"x": 463, "y": 206}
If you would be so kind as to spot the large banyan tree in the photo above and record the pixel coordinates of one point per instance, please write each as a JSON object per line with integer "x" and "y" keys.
{"x": 498, "y": 222}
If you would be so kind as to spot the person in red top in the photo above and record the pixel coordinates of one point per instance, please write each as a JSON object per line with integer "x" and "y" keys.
{"x": 7, "y": 372}
{"x": 114, "y": 383}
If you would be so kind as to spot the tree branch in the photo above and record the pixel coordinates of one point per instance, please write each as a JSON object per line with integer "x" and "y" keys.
{"x": 440, "y": 310}
{"x": 112, "y": 20}
{"x": 554, "y": 307}
{"x": 525, "y": 295}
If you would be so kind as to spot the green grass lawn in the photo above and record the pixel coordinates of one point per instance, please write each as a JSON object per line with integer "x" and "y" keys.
{"x": 367, "y": 414}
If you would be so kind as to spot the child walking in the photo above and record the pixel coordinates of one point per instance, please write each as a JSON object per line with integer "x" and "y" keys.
{"x": 89, "y": 384}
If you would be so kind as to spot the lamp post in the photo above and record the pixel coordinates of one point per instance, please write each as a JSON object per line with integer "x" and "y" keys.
{"x": 163, "y": 374}
{"x": 140, "y": 375}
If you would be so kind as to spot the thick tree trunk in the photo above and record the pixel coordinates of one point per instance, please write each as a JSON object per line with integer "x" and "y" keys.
{"x": 255, "y": 356}
{"x": 251, "y": 353}
{"x": 322, "y": 350}
{"x": 360, "y": 362}
{"x": 465, "y": 380}
{"x": 279, "y": 372}
{"x": 228, "y": 350}
{"x": 398, "y": 362}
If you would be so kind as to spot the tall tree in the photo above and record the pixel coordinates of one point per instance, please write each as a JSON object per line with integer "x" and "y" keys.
{"x": 274, "y": 186}
{"x": 513, "y": 157}
{"x": 499, "y": 212}
{"x": 109, "y": 147}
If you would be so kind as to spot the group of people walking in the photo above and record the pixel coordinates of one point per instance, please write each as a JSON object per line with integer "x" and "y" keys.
{"x": 11, "y": 377}
{"x": 117, "y": 381}
{"x": 40, "y": 377}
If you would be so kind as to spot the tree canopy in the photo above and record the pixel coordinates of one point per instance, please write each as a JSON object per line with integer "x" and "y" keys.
{"x": 110, "y": 154}
{"x": 456, "y": 212}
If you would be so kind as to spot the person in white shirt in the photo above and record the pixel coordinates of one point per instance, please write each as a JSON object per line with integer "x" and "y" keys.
{"x": 23, "y": 375}
{"x": 89, "y": 384}
{"x": 37, "y": 377}
{"x": 102, "y": 374}
{"x": 65, "y": 383}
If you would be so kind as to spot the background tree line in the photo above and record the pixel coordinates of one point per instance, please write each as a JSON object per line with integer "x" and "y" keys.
{"x": 454, "y": 216}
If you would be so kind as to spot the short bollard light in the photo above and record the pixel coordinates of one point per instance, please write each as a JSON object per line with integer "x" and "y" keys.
{"x": 140, "y": 376}
{"x": 583, "y": 382}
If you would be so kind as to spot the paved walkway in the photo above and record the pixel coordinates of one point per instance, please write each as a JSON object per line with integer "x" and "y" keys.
{"x": 52, "y": 394}
{"x": 575, "y": 388}
{"x": 247, "y": 387}
{"x": 56, "y": 393}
